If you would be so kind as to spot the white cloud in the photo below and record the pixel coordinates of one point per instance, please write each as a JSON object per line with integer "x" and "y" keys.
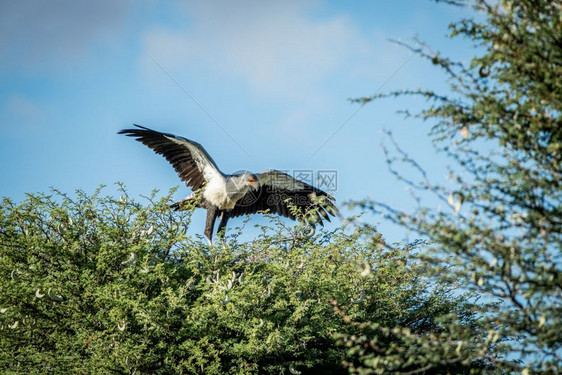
{"x": 278, "y": 48}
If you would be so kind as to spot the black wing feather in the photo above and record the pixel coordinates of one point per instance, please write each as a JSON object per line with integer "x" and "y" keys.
{"x": 192, "y": 170}
{"x": 278, "y": 191}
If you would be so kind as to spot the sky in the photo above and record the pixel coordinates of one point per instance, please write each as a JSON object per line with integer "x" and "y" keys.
{"x": 259, "y": 84}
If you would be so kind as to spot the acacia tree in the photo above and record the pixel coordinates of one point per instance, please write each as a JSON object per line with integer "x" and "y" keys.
{"x": 98, "y": 285}
{"x": 500, "y": 124}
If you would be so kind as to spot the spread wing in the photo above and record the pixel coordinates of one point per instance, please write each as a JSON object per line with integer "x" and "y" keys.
{"x": 192, "y": 163}
{"x": 278, "y": 192}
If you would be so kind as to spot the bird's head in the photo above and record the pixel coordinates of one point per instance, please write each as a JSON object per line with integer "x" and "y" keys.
{"x": 240, "y": 183}
{"x": 251, "y": 180}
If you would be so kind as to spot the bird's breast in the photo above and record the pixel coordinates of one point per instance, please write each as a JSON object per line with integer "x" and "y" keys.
{"x": 216, "y": 193}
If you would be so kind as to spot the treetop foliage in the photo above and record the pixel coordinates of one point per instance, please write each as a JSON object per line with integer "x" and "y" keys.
{"x": 95, "y": 284}
{"x": 501, "y": 124}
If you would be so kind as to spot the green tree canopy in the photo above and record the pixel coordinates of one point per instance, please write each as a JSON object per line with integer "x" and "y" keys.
{"x": 94, "y": 284}
{"x": 501, "y": 124}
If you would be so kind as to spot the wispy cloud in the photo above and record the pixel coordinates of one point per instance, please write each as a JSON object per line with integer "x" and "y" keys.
{"x": 278, "y": 48}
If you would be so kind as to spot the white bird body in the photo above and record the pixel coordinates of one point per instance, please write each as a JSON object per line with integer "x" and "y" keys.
{"x": 215, "y": 193}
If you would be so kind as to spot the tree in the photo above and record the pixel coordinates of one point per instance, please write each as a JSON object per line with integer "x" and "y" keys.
{"x": 501, "y": 125}
{"x": 94, "y": 284}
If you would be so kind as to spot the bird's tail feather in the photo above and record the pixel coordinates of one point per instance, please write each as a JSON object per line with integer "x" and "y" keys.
{"x": 177, "y": 206}
{"x": 193, "y": 200}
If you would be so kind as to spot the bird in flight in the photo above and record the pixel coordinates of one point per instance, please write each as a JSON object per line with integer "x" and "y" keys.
{"x": 230, "y": 195}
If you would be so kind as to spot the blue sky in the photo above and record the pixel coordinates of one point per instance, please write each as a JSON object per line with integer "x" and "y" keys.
{"x": 276, "y": 76}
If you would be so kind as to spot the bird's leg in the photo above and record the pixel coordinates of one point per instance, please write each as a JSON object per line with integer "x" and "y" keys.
{"x": 212, "y": 212}
{"x": 222, "y": 224}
